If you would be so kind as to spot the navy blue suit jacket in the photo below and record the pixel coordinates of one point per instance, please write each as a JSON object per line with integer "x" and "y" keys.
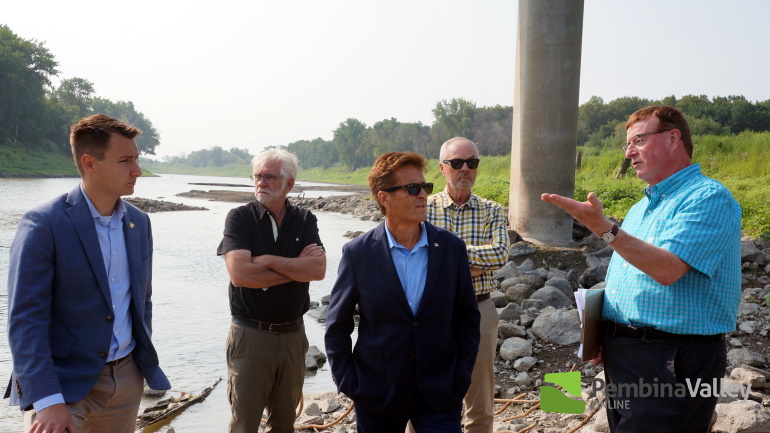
{"x": 59, "y": 303}
{"x": 396, "y": 351}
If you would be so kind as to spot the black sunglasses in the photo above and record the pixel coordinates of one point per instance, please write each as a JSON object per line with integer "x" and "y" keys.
{"x": 458, "y": 163}
{"x": 413, "y": 188}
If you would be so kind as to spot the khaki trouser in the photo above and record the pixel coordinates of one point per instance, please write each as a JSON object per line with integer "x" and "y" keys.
{"x": 112, "y": 404}
{"x": 265, "y": 371}
{"x": 480, "y": 398}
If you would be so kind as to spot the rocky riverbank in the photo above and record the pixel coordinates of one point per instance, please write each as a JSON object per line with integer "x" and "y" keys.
{"x": 152, "y": 206}
{"x": 540, "y": 330}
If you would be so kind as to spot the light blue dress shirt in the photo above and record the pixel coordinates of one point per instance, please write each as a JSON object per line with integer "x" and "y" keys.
{"x": 698, "y": 220}
{"x": 412, "y": 266}
{"x": 109, "y": 230}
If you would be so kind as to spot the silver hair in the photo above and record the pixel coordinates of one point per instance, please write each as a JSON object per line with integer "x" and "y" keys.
{"x": 289, "y": 165}
{"x": 443, "y": 151}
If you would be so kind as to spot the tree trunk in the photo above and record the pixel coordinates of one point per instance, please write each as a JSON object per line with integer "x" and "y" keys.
{"x": 16, "y": 132}
{"x": 623, "y": 168}
{"x": 578, "y": 160}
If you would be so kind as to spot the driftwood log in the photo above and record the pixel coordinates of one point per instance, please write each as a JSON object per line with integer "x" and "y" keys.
{"x": 171, "y": 406}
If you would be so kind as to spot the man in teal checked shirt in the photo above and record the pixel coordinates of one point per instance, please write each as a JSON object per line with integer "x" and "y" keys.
{"x": 673, "y": 284}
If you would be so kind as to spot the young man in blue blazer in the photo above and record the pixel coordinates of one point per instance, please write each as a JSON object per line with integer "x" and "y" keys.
{"x": 79, "y": 294}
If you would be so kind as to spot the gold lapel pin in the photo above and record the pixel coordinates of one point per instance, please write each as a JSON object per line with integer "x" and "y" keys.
{"x": 131, "y": 225}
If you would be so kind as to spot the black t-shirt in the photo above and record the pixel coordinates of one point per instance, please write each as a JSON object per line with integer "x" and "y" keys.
{"x": 248, "y": 227}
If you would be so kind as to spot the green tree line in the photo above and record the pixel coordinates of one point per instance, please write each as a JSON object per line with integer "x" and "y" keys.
{"x": 355, "y": 145}
{"x": 35, "y": 115}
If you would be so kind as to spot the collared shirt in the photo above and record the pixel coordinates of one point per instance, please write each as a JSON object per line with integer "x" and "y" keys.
{"x": 250, "y": 227}
{"x": 483, "y": 225}
{"x": 109, "y": 230}
{"x": 699, "y": 221}
{"x": 412, "y": 266}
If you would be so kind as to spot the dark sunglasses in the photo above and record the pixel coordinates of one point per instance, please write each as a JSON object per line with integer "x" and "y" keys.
{"x": 413, "y": 188}
{"x": 458, "y": 163}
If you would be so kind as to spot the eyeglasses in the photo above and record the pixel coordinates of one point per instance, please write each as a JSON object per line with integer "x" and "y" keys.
{"x": 413, "y": 188}
{"x": 637, "y": 141}
{"x": 458, "y": 163}
{"x": 269, "y": 178}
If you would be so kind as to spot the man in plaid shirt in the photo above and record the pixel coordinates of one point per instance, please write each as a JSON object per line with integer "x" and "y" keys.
{"x": 483, "y": 225}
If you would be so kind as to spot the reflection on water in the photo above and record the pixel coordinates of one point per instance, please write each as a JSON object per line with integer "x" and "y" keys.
{"x": 190, "y": 310}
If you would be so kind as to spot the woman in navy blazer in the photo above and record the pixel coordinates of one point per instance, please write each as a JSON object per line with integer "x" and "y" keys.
{"x": 409, "y": 362}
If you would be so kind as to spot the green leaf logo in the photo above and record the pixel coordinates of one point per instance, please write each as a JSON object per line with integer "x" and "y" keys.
{"x": 554, "y": 400}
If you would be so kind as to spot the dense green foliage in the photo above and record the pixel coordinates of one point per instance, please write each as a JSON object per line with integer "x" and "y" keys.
{"x": 35, "y": 116}
{"x": 357, "y": 145}
{"x": 740, "y": 162}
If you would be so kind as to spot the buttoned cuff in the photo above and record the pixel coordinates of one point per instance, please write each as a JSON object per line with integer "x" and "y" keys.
{"x": 48, "y": 401}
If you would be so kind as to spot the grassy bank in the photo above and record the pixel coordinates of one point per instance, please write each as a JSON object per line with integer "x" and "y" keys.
{"x": 23, "y": 163}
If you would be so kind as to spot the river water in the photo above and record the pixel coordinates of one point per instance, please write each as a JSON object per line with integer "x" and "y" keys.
{"x": 190, "y": 307}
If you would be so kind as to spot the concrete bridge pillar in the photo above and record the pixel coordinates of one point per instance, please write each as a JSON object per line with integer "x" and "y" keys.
{"x": 545, "y": 111}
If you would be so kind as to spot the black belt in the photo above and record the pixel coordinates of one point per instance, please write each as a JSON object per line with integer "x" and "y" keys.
{"x": 483, "y": 297}
{"x": 116, "y": 361}
{"x": 621, "y": 330}
{"x": 275, "y": 328}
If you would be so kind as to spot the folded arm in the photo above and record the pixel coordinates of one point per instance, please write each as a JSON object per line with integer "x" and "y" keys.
{"x": 493, "y": 254}
{"x": 269, "y": 270}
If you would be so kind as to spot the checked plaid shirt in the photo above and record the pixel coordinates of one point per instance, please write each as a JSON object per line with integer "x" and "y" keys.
{"x": 483, "y": 225}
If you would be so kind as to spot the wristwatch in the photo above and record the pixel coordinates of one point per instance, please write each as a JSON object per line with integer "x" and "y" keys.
{"x": 609, "y": 237}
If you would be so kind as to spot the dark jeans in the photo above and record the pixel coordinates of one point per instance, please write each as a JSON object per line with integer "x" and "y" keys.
{"x": 424, "y": 419}
{"x": 663, "y": 364}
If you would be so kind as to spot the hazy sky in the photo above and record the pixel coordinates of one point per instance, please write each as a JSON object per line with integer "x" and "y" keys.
{"x": 257, "y": 73}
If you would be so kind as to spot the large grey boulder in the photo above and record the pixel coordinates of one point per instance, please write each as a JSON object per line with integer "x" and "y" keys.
{"x": 740, "y": 356}
{"x": 749, "y": 327}
{"x": 319, "y": 313}
{"x": 561, "y": 284}
{"x": 520, "y": 249}
{"x": 556, "y": 273}
{"x": 750, "y": 253}
{"x": 508, "y": 271}
{"x": 540, "y": 272}
{"x": 597, "y": 267}
{"x": 748, "y": 377}
{"x": 527, "y": 265}
{"x": 537, "y": 304}
{"x": 552, "y": 296}
{"x": 747, "y": 308}
{"x": 560, "y": 327}
{"x": 742, "y": 416}
{"x": 520, "y": 288}
{"x": 507, "y": 330}
{"x": 314, "y": 358}
{"x": 525, "y": 364}
{"x": 514, "y": 348}
{"x": 498, "y": 298}
{"x": 511, "y": 312}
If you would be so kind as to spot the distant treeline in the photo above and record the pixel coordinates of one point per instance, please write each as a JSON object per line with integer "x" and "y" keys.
{"x": 600, "y": 125}
{"x": 35, "y": 116}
